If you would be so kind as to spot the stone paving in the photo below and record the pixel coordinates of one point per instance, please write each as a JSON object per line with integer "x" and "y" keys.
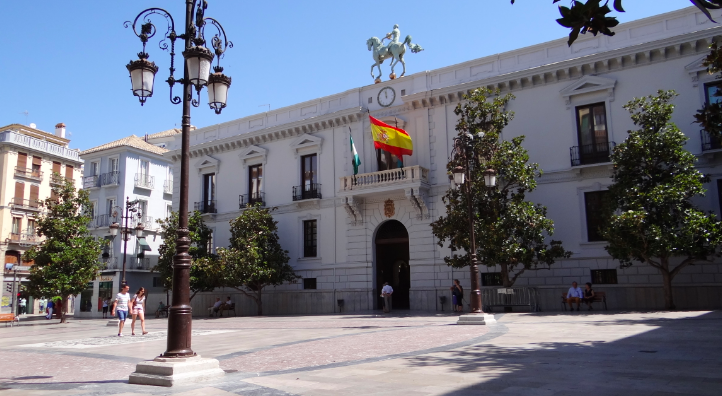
{"x": 653, "y": 353}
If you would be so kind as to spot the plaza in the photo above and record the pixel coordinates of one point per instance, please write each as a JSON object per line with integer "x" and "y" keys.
{"x": 407, "y": 353}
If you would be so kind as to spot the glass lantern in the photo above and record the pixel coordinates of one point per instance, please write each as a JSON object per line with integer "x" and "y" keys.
{"x": 142, "y": 74}
{"x": 198, "y": 60}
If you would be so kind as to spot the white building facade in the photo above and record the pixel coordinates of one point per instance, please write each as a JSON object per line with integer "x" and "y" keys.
{"x": 130, "y": 168}
{"x": 346, "y": 234}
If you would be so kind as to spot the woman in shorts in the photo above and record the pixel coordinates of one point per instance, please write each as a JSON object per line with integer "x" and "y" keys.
{"x": 138, "y": 304}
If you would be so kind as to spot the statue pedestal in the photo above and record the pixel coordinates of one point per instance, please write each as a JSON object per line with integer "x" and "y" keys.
{"x": 476, "y": 319}
{"x": 175, "y": 371}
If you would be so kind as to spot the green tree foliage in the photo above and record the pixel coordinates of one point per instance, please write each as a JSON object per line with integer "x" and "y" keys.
{"x": 651, "y": 217}
{"x": 710, "y": 116}
{"x": 68, "y": 258}
{"x": 205, "y": 274}
{"x": 592, "y": 16}
{"x": 255, "y": 258}
{"x": 510, "y": 231}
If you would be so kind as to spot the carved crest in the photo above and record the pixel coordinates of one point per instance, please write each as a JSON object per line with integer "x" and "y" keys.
{"x": 389, "y": 209}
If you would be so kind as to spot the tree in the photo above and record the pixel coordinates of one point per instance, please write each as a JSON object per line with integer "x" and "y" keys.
{"x": 510, "y": 231}
{"x": 651, "y": 217}
{"x": 68, "y": 258}
{"x": 709, "y": 117}
{"x": 205, "y": 273}
{"x": 592, "y": 16}
{"x": 255, "y": 258}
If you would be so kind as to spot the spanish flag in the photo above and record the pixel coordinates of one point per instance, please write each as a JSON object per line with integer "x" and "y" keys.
{"x": 394, "y": 140}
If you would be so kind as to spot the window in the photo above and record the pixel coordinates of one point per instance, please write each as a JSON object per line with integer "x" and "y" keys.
{"x": 31, "y": 227}
{"x": 69, "y": 172}
{"x": 209, "y": 193}
{"x": 144, "y": 167}
{"x": 387, "y": 161}
{"x": 19, "y": 193}
{"x": 56, "y": 167}
{"x": 17, "y": 225}
{"x": 210, "y": 248}
{"x": 110, "y": 205}
{"x": 143, "y": 213}
{"x": 22, "y": 160}
{"x": 112, "y": 164}
{"x": 491, "y": 279}
{"x": 34, "y": 195}
{"x": 309, "y": 238}
{"x": 593, "y": 207}
{"x": 592, "y": 134}
{"x": 157, "y": 282}
{"x": 371, "y": 100}
{"x": 37, "y": 164}
{"x": 94, "y": 169}
{"x": 255, "y": 183}
{"x": 309, "y": 283}
{"x": 168, "y": 210}
{"x": 92, "y": 209}
{"x": 604, "y": 277}
{"x": 309, "y": 172}
{"x": 710, "y": 91}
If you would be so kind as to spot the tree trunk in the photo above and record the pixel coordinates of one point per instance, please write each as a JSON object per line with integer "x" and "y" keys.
{"x": 667, "y": 286}
{"x": 260, "y": 303}
{"x": 64, "y": 310}
{"x": 505, "y": 281}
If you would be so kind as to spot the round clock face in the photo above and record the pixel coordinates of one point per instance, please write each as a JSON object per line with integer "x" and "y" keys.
{"x": 386, "y": 96}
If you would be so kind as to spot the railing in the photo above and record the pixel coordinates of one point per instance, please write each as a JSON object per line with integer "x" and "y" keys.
{"x": 29, "y": 173}
{"x": 110, "y": 263}
{"x": 29, "y": 238}
{"x": 90, "y": 182}
{"x": 251, "y": 199}
{"x": 20, "y": 203}
{"x": 93, "y": 222}
{"x": 144, "y": 181}
{"x": 308, "y": 191}
{"x": 510, "y": 297}
{"x": 168, "y": 187}
{"x": 103, "y": 220}
{"x": 110, "y": 178}
{"x": 139, "y": 263}
{"x": 710, "y": 142}
{"x": 147, "y": 221}
{"x": 205, "y": 206}
{"x": 41, "y": 145}
{"x": 57, "y": 179}
{"x": 587, "y": 154}
{"x": 410, "y": 174}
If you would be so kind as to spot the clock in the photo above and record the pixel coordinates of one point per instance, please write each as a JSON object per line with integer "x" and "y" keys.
{"x": 386, "y": 96}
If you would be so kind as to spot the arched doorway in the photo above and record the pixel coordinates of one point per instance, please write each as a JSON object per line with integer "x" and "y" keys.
{"x": 392, "y": 263}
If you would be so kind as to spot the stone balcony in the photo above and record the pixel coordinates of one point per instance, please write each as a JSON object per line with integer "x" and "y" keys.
{"x": 412, "y": 180}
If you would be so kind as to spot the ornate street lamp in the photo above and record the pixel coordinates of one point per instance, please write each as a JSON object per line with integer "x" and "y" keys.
{"x": 196, "y": 74}
{"x": 132, "y": 210}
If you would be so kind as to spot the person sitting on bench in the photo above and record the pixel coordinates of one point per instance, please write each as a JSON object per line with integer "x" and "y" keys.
{"x": 574, "y": 295}
{"x": 588, "y": 295}
{"x": 216, "y": 307}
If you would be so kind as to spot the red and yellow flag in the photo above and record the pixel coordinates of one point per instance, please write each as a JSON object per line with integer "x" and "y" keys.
{"x": 394, "y": 140}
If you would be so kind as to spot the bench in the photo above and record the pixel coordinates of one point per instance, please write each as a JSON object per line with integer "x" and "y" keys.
{"x": 9, "y": 318}
{"x": 225, "y": 307}
{"x": 509, "y": 297}
{"x": 599, "y": 297}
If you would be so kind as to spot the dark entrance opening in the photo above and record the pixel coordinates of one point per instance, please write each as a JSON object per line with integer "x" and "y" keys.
{"x": 392, "y": 263}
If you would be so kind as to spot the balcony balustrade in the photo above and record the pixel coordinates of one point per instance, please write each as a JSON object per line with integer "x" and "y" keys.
{"x": 110, "y": 263}
{"x": 24, "y": 238}
{"x": 168, "y": 187}
{"x": 39, "y": 145}
{"x": 147, "y": 221}
{"x": 393, "y": 177}
{"x": 251, "y": 199}
{"x": 307, "y": 191}
{"x": 205, "y": 206}
{"x": 110, "y": 178}
{"x": 103, "y": 220}
{"x": 588, "y": 154}
{"x": 144, "y": 181}
{"x": 57, "y": 179}
{"x": 139, "y": 263}
{"x": 91, "y": 182}
{"x": 28, "y": 173}
{"x": 710, "y": 142}
{"x": 24, "y": 204}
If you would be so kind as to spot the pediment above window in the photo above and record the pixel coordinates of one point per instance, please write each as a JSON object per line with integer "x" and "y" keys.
{"x": 307, "y": 143}
{"x": 207, "y": 164}
{"x": 694, "y": 68}
{"x": 589, "y": 84}
{"x": 253, "y": 154}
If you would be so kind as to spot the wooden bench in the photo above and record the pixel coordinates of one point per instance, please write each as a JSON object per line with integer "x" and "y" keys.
{"x": 599, "y": 297}
{"x": 9, "y": 318}
{"x": 225, "y": 307}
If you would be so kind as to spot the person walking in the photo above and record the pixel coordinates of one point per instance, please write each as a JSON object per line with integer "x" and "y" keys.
{"x": 22, "y": 306}
{"x": 138, "y": 304}
{"x": 386, "y": 293}
{"x": 106, "y": 301}
{"x": 120, "y": 305}
{"x": 457, "y": 296}
{"x": 50, "y": 307}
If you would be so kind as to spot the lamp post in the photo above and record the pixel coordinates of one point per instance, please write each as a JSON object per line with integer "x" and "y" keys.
{"x": 196, "y": 74}
{"x": 463, "y": 153}
{"x": 131, "y": 207}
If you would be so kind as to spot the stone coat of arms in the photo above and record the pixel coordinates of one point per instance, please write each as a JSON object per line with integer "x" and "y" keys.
{"x": 389, "y": 209}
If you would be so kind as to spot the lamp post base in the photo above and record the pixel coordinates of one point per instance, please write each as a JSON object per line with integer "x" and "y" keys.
{"x": 175, "y": 371}
{"x": 476, "y": 319}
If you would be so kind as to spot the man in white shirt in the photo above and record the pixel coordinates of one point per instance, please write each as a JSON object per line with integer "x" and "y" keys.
{"x": 386, "y": 293}
{"x": 215, "y": 307}
{"x": 575, "y": 294}
{"x": 120, "y": 305}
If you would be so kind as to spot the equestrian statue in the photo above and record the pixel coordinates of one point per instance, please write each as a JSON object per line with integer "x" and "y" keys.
{"x": 394, "y": 50}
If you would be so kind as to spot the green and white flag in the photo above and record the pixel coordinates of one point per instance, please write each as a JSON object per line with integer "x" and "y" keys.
{"x": 355, "y": 161}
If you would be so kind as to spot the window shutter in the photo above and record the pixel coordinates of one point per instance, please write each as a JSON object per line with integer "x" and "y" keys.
{"x": 19, "y": 193}
{"x": 69, "y": 172}
{"x": 22, "y": 160}
{"x": 34, "y": 194}
{"x": 56, "y": 167}
{"x": 37, "y": 161}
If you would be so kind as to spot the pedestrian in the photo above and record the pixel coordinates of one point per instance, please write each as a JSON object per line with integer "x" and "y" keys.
{"x": 49, "y": 309}
{"x": 120, "y": 305}
{"x": 386, "y": 293}
{"x": 106, "y": 301}
{"x": 138, "y": 304}
{"x": 22, "y": 306}
{"x": 457, "y": 296}
{"x": 41, "y": 305}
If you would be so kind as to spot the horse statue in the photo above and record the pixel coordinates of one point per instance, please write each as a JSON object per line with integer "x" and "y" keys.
{"x": 394, "y": 50}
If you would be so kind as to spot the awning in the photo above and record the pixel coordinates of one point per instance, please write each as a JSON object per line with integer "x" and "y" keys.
{"x": 144, "y": 245}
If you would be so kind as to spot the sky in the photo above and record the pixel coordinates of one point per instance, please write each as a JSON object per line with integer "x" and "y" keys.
{"x": 65, "y": 60}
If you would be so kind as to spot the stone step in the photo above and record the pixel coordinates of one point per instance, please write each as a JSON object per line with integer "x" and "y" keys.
{"x": 476, "y": 319}
{"x": 171, "y": 372}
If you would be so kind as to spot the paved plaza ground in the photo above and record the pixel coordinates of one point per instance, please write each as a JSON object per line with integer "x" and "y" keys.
{"x": 623, "y": 353}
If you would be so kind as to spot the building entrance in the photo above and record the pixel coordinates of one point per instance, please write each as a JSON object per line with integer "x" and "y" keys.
{"x": 392, "y": 263}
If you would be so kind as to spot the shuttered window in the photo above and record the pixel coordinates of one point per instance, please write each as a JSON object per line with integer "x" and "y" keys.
{"x": 56, "y": 167}
{"x": 37, "y": 164}
{"x": 69, "y": 172}
{"x": 22, "y": 160}
{"x": 34, "y": 195}
{"x": 19, "y": 193}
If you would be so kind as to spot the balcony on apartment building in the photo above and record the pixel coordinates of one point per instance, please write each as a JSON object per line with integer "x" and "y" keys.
{"x": 58, "y": 180}
{"x": 588, "y": 154}
{"x": 39, "y": 145}
{"x": 709, "y": 142}
{"x": 110, "y": 179}
{"x": 146, "y": 221}
{"x": 25, "y": 204}
{"x": 24, "y": 238}
{"x": 110, "y": 263}
{"x": 131, "y": 263}
{"x": 168, "y": 187}
{"x": 307, "y": 191}
{"x": 251, "y": 199}
{"x": 27, "y": 173}
{"x": 144, "y": 181}
{"x": 139, "y": 263}
{"x": 90, "y": 182}
{"x": 385, "y": 180}
{"x": 205, "y": 206}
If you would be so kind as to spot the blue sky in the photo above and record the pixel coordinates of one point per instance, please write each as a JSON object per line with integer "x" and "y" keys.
{"x": 66, "y": 59}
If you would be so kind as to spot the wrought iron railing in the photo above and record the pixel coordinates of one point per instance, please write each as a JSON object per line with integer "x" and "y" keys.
{"x": 205, "y": 206}
{"x": 147, "y": 221}
{"x": 110, "y": 263}
{"x": 110, "y": 178}
{"x": 29, "y": 238}
{"x": 29, "y": 173}
{"x": 139, "y": 263}
{"x": 103, "y": 220}
{"x": 90, "y": 182}
{"x": 28, "y": 204}
{"x": 307, "y": 191}
{"x": 144, "y": 181}
{"x": 710, "y": 142}
{"x": 251, "y": 199}
{"x": 587, "y": 154}
{"x": 168, "y": 187}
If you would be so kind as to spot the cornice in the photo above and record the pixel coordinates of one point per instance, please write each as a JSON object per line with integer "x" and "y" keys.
{"x": 280, "y": 132}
